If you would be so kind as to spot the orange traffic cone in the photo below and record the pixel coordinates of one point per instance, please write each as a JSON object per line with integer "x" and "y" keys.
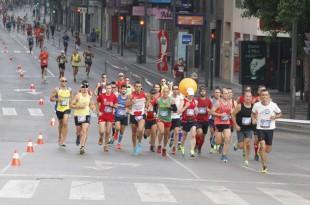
{"x": 52, "y": 122}
{"x": 40, "y": 139}
{"x": 41, "y": 101}
{"x": 15, "y": 159}
{"x": 29, "y": 147}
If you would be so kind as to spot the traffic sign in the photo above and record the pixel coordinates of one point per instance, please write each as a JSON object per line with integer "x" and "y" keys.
{"x": 187, "y": 39}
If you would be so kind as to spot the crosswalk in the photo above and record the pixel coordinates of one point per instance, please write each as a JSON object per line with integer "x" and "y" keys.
{"x": 33, "y": 112}
{"x": 148, "y": 192}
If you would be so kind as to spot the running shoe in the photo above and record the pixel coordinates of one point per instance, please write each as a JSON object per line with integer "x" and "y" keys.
{"x": 264, "y": 170}
{"x": 256, "y": 157}
{"x": 63, "y": 145}
{"x": 224, "y": 158}
{"x": 182, "y": 149}
{"x": 192, "y": 153}
{"x": 212, "y": 151}
{"x": 152, "y": 148}
{"x": 246, "y": 163}
{"x": 235, "y": 147}
{"x": 174, "y": 150}
{"x": 145, "y": 137}
{"x": 82, "y": 150}
{"x": 100, "y": 141}
{"x": 138, "y": 149}
{"x": 164, "y": 152}
{"x": 111, "y": 141}
{"x": 159, "y": 149}
{"x": 118, "y": 146}
{"x": 179, "y": 146}
{"x": 77, "y": 141}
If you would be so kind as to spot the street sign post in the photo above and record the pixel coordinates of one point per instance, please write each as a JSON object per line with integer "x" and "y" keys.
{"x": 187, "y": 40}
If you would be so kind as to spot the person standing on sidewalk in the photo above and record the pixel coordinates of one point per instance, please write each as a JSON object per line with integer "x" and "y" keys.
{"x": 179, "y": 71}
{"x": 265, "y": 113}
{"x": 75, "y": 61}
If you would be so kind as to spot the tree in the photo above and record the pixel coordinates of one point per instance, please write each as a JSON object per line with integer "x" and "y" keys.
{"x": 277, "y": 16}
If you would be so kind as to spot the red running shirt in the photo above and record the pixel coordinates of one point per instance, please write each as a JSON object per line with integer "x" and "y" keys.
{"x": 223, "y": 109}
{"x": 203, "y": 105}
{"x": 189, "y": 113}
{"x": 105, "y": 101}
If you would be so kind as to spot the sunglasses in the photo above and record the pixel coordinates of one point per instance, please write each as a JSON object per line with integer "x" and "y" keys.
{"x": 63, "y": 81}
{"x": 103, "y": 76}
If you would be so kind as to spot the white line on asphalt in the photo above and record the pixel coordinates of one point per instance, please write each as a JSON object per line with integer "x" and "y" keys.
{"x": 222, "y": 195}
{"x": 19, "y": 189}
{"x": 148, "y": 82}
{"x": 279, "y": 173}
{"x": 154, "y": 178}
{"x": 9, "y": 111}
{"x": 189, "y": 170}
{"x": 16, "y": 51}
{"x": 285, "y": 197}
{"x": 27, "y": 76}
{"x": 16, "y": 100}
{"x": 35, "y": 112}
{"x": 86, "y": 190}
{"x": 50, "y": 72}
{"x": 155, "y": 193}
{"x": 294, "y": 121}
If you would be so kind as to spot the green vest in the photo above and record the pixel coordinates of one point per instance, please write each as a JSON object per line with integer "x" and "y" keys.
{"x": 164, "y": 111}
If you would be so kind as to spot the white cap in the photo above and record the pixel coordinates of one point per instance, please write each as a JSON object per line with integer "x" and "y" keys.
{"x": 62, "y": 51}
{"x": 190, "y": 91}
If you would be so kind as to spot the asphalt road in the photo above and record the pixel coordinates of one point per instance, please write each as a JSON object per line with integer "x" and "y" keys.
{"x": 53, "y": 175}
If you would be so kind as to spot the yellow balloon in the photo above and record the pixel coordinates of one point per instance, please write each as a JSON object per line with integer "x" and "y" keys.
{"x": 187, "y": 83}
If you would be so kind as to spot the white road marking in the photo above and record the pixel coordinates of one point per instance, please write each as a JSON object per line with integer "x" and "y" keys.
{"x": 9, "y": 111}
{"x": 50, "y": 72}
{"x": 19, "y": 189}
{"x": 294, "y": 121}
{"x": 155, "y": 193}
{"x": 189, "y": 170}
{"x": 16, "y": 51}
{"x": 35, "y": 112}
{"x": 86, "y": 190}
{"x": 222, "y": 195}
{"x": 0, "y": 97}
{"x": 285, "y": 197}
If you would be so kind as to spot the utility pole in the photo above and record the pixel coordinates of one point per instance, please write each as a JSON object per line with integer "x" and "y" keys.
{"x": 293, "y": 69}
{"x": 103, "y": 4}
{"x": 144, "y": 37}
{"x": 87, "y": 18}
{"x": 173, "y": 35}
{"x": 207, "y": 32}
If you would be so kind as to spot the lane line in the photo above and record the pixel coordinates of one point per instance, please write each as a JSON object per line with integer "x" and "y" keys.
{"x": 154, "y": 193}
{"x": 86, "y": 190}
{"x": 222, "y": 195}
{"x": 189, "y": 170}
{"x": 285, "y": 197}
{"x": 35, "y": 112}
{"x": 22, "y": 189}
{"x": 9, "y": 111}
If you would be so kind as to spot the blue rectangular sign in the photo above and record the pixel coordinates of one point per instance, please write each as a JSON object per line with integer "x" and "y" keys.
{"x": 187, "y": 39}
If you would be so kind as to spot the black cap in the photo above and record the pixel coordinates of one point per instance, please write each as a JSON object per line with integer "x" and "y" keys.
{"x": 153, "y": 91}
{"x": 84, "y": 84}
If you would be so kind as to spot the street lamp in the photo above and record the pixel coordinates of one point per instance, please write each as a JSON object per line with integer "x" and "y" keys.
{"x": 121, "y": 21}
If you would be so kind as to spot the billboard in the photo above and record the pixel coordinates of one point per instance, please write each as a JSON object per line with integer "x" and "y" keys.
{"x": 252, "y": 62}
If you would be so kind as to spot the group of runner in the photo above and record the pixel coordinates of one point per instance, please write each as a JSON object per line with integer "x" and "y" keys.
{"x": 164, "y": 115}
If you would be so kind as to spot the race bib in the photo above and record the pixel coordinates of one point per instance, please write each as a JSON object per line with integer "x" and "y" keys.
{"x": 163, "y": 113}
{"x": 88, "y": 57}
{"x": 202, "y": 110}
{"x": 61, "y": 61}
{"x": 121, "y": 112}
{"x": 44, "y": 61}
{"x": 265, "y": 123}
{"x": 138, "y": 118}
{"x": 225, "y": 117}
{"x": 181, "y": 69}
{"x": 81, "y": 119}
{"x": 108, "y": 109}
{"x": 190, "y": 112}
{"x": 63, "y": 102}
{"x": 246, "y": 120}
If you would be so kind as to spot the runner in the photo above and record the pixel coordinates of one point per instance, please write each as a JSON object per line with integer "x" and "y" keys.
{"x": 100, "y": 88}
{"x": 88, "y": 56}
{"x": 106, "y": 103}
{"x": 204, "y": 107}
{"x": 176, "y": 119}
{"x": 30, "y": 43}
{"x": 222, "y": 112}
{"x": 65, "y": 40}
{"x": 62, "y": 97}
{"x": 243, "y": 123}
{"x": 121, "y": 116}
{"x": 265, "y": 113}
{"x": 215, "y": 101}
{"x": 44, "y": 63}
{"x": 62, "y": 60}
{"x": 120, "y": 81}
{"x": 82, "y": 104}
{"x": 150, "y": 121}
{"x": 188, "y": 110}
{"x": 137, "y": 102}
{"x": 130, "y": 88}
{"x": 165, "y": 105}
{"x": 77, "y": 41}
{"x": 75, "y": 61}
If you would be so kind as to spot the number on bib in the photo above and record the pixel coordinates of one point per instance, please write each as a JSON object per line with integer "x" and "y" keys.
{"x": 202, "y": 110}
{"x": 246, "y": 120}
{"x": 190, "y": 112}
{"x": 163, "y": 113}
{"x": 81, "y": 119}
{"x": 225, "y": 117}
{"x": 265, "y": 123}
{"x": 107, "y": 109}
{"x": 64, "y": 103}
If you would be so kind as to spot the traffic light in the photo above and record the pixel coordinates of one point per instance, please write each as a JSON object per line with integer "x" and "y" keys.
{"x": 78, "y": 10}
{"x": 141, "y": 23}
{"x": 121, "y": 18}
{"x": 213, "y": 35}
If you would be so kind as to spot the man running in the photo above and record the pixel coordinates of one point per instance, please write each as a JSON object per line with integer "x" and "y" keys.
{"x": 88, "y": 56}
{"x": 188, "y": 110}
{"x": 100, "y": 88}
{"x": 150, "y": 121}
{"x": 30, "y": 43}
{"x": 62, "y": 60}
{"x": 243, "y": 123}
{"x": 137, "y": 102}
{"x": 204, "y": 106}
{"x": 65, "y": 40}
{"x": 121, "y": 116}
{"x": 215, "y": 100}
{"x": 75, "y": 61}
{"x": 222, "y": 112}
{"x": 165, "y": 105}
{"x": 44, "y": 63}
{"x": 120, "y": 81}
{"x": 106, "y": 103}
{"x": 82, "y": 104}
{"x": 62, "y": 97}
{"x": 265, "y": 113}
